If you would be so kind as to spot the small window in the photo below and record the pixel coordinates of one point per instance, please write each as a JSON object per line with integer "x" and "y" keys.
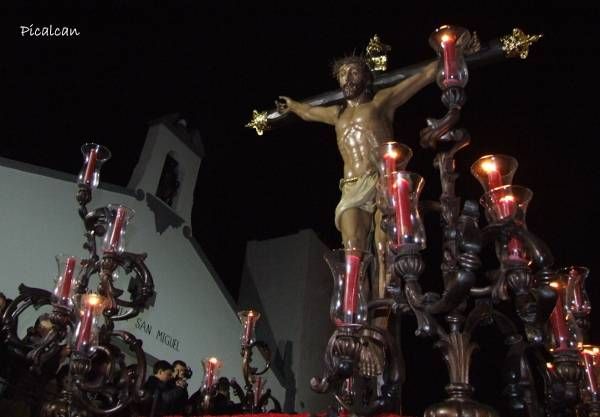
{"x": 169, "y": 181}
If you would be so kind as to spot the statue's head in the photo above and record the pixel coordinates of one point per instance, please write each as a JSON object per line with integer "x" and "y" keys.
{"x": 354, "y": 76}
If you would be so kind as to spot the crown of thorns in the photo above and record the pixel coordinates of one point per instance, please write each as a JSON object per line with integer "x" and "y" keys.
{"x": 350, "y": 60}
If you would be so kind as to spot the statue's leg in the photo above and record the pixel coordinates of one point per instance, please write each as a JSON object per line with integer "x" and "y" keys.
{"x": 355, "y": 225}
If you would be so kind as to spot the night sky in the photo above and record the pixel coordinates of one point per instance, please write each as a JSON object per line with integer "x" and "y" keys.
{"x": 215, "y": 64}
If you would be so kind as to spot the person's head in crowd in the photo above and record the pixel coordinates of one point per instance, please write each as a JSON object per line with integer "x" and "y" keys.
{"x": 223, "y": 386}
{"x": 163, "y": 371}
{"x": 181, "y": 370}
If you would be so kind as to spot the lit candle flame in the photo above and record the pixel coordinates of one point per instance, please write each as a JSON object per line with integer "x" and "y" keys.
{"x": 213, "y": 360}
{"x": 549, "y": 365}
{"x": 555, "y": 284}
{"x": 391, "y": 154}
{"x": 445, "y": 38}
{"x": 489, "y": 166}
{"x": 509, "y": 197}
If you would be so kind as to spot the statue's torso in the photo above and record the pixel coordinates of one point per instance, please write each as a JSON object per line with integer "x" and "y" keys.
{"x": 359, "y": 131}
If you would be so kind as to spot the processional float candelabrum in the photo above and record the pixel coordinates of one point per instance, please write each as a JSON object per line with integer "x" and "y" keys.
{"x": 253, "y": 397}
{"x": 550, "y": 370}
{"x": 98, "y": 380}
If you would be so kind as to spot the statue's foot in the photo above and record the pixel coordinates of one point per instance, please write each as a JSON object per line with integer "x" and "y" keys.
{"x": 372, "y": 360}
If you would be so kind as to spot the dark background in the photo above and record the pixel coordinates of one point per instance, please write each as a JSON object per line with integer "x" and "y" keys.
{"x": 213, "y": 64}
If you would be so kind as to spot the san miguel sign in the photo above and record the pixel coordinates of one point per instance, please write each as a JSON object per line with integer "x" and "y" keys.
{"x": 160, "y": 335}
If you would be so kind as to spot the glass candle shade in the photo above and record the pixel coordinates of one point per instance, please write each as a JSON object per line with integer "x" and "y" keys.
{"x": 349, "y": 299}
{"x": 506, "y": 202}
{"x": 493, "y": 171}
{"x": 94, "y": 156}
{"x": 118, "y": 218}
{"x": 512, "y": 251}
{"x": 69, "y": 268}
{"x": 401, "y": 202}
{"x": 590, "y": 356}
{"x": 566, "y": 333}
{"x": 390, "y": 157}
{"x": 258, "y": 388}
{"x": 86, "y": 333}
{"x": 248, "y": 318}
{"x": 576, "y": 297}
{"x": 449, "y": 42}
{"x": 212, "y": 367}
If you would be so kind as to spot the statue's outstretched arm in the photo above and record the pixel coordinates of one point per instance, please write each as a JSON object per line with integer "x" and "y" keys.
{"x": 393, "y": 97}
{"x": 306, "y": 111}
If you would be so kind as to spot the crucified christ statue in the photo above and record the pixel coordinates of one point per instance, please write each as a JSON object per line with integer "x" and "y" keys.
{"x": 362, "y": 122}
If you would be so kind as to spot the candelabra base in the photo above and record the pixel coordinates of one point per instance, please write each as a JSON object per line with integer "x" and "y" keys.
{"x": 460, "y": 404}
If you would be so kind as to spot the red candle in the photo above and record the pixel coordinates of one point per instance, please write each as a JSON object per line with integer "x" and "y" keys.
{"x": 515, "y": 249}
{"x": 402, "y": 206}
{"x": 351, "y": 286}
{"x": 390, "y": 161}
{"x": 248, "y": 330}
{"x": 494, "y": 178}
{"x": 85, "y": 327}
{"x": 588, "y": 360}
{"x": 210, "y": 372}
{"x": 67, "y": 278}
{"x": 115, "y": 237}
{"x": 449, "y": 50}
{"x": 258, "y": 388}
{"x": 559, "y": 323}
{"x": 506, "y": 206}
{"x": 91, "y": 166}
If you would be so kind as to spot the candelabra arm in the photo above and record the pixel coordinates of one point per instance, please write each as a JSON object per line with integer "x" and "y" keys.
{"x": 335, "y": 370}
{"x": 28, "y": 297}
{"x": 120, "y": 388}
{"x": 141, "y": 285}
{"x": 248, "y": 371}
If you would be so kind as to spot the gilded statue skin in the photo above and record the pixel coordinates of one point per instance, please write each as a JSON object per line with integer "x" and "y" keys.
{"x": 362, "y": 122}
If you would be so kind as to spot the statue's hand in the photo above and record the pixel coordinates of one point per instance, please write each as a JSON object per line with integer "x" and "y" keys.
{"x": 283, "y": 104}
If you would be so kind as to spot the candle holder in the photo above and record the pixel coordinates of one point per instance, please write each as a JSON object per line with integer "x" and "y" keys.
{"x": 449, "y": 43}
{"x": 248, "y": 319}
{"x": 348, "y": 307}
{"x": 248, "y": 342}
{"x": 590, "y": 357}
{"x": 86, "y": 336}
{"x": 94, "y": 156}
{"x": 262, "y": 397}
{"x": 118, "y": 218}
{"x": 391, "y": 156}
{"x": 400, "y": 209}
{"x": 577, "y": 301}
{"x": 212, "y": 367}
{"x": 69, "y": 268}
{"x": 357, "y": 351}
{"x": 96, "y": 365}
{"x": 494, "y": 171}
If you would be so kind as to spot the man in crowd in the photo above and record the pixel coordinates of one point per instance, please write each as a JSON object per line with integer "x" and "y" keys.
{"x": 164, "y": 395}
